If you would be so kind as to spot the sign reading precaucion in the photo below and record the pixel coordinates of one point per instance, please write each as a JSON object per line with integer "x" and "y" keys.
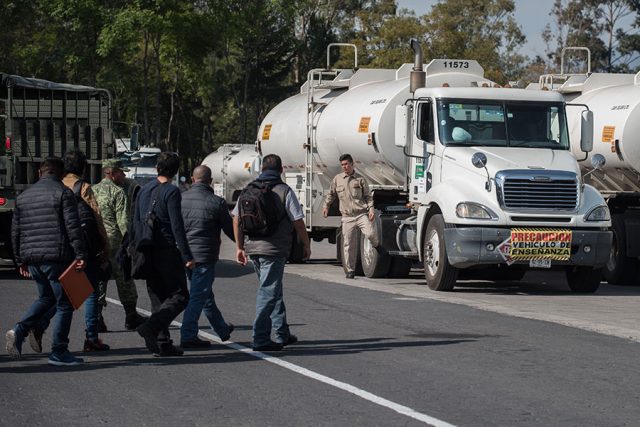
{"x": 530, "y": 244}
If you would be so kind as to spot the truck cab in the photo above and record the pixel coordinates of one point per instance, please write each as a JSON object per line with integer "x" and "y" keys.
{"x": 494, "y": 185}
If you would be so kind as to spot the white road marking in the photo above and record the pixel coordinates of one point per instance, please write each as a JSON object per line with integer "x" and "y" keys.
{"x": 401, "y": 409}
{"x": 406, "y": 299}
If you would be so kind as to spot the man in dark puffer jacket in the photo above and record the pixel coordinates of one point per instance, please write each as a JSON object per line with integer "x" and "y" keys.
{"x": 47, "y": 237}
{"x": 205, "y": 216}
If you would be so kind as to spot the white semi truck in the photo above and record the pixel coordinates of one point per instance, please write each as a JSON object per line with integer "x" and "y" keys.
{"x": 467, "y": 177}
{"x": 615, "y": 102}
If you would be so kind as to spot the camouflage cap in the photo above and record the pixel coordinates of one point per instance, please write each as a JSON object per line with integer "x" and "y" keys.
{"x": 113, "y": 163}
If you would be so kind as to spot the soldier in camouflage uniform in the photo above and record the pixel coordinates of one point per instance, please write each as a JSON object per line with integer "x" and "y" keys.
{"x": 116, "y": 215}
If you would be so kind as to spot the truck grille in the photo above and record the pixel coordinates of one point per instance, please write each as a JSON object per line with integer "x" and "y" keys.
{"x": 539, "y": 190}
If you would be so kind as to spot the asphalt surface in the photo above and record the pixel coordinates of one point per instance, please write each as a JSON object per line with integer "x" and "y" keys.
{"x": 361, "y": 352}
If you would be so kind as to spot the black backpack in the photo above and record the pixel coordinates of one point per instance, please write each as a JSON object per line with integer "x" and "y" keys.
{"x": 88, "y": 223}
{"x": 260, "y": 209}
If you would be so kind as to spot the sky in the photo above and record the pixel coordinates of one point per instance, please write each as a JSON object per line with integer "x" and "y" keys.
{"x": 532, "y": 15}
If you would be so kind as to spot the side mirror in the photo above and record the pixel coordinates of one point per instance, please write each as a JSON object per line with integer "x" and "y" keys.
{"x": 133, "y": 141}
{"x": 479, "y": 160}
{"x": 586, "y": 131}
{"x": 598, "y": 161}
{"x": 403, "y": 121}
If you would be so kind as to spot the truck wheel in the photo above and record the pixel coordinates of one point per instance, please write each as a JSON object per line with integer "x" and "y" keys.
{"x": 620, "y": 269}
{"x": 400, "y": 267}
{"x": 584, "y": 280}
{"x": 340, "y": 253}
{"x": 297, "y": 250}
{"x": 440, "y": 275}
{"x": 375, "y": 263}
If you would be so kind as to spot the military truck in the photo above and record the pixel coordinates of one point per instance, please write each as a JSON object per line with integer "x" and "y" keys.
{"x": 38, "y": 119}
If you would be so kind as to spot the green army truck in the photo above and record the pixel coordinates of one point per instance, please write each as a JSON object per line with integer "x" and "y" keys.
{"x": 38, "y": 119}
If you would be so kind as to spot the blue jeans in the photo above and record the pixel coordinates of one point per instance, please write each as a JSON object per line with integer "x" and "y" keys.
{"x": 201, "y": 299}
{"x": 51, "y": 298}
{"x": 270, "y": 308}
{"x": 91, "y": 307}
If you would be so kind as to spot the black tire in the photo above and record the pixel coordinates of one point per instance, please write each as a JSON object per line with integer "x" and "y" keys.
{"x": 339, "y": 253}
{"x": 620, "y": 269}
{"x": 297, "y": 250}
{"x": 375, "y": 263}
{"x": 584, "y": 280}
{"x": 439, "y": 274}
{"x": 400, "y": 267}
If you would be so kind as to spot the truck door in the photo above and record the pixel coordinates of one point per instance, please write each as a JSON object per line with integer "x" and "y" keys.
{"x": 422, "y": 149}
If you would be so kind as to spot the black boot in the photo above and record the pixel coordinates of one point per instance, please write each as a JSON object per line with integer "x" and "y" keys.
{"x": 132, "y": 319}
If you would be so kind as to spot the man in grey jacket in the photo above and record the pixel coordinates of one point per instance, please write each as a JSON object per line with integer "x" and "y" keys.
{"x": 268, "y": 255}
{"x": 205, "y": 217}
{"x": 47, "y": 237}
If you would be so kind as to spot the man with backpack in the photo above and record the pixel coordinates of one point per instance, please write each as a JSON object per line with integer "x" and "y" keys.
{"x": 264, "y": 219}
{"x": 159, "y": 207}
{"x": 47, "y": 237}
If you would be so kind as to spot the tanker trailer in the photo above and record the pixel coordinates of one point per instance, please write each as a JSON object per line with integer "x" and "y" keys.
{"x": 615, "y": 102}
{"x": 465, "y": 175}
{"x": 232, "y": 166}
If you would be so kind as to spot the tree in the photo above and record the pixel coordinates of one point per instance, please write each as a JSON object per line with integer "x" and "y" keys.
{"x": 481, "y": 30}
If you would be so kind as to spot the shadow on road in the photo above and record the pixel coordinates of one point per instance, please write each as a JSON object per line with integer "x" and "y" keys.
{"x": 139, "y": 356}
{"x": 230, "y": 269}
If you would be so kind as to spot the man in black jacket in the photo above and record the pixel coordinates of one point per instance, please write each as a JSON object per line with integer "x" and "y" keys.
{"x": 205, "y": 216}
{"x": 47, "y": 237}
{"x": 170, "y": 254}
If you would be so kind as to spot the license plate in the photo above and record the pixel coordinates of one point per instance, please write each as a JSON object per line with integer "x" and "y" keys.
{"x": 540, "y": 263}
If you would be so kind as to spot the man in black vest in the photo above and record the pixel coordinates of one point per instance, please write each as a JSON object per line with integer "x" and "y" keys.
{"x": 47, "y": 237}
{"x": 268, "y": 256}
{"x": 205, "y": 216}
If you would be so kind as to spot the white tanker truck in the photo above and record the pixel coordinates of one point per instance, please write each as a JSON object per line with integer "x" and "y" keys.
{"x": 467, "y": 177}
{"x": 615, "y": 102}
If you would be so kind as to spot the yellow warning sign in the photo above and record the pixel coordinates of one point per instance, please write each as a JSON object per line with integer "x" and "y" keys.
{"x": 536, "y": 243}
{"x": 607, "y": 133}
{"x": 266, "y": 132}
{"x": 364, "y": 125}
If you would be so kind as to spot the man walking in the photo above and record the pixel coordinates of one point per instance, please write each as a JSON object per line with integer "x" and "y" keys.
{"x": 75, "y": 165}
{"x": 205, "y": 216}
{"x": 356, "y": 206}
{"x": 169, "y": 255}
{"x": 269, "y": 253}
{"x": 114, "y": 209}
{"x": 47, "y": 237}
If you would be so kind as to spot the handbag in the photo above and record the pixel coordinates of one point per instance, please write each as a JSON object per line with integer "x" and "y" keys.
{"x": 138, "y": 243}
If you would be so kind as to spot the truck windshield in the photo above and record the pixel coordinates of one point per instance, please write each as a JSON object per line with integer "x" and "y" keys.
{"x": 503, "y": 124}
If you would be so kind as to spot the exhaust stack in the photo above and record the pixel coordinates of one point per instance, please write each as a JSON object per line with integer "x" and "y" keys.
{"x": 418, "y": 77}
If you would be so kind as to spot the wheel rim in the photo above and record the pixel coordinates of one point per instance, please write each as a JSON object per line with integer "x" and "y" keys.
{"x": 432, "y": 254}
{"x": 367, "y": 251}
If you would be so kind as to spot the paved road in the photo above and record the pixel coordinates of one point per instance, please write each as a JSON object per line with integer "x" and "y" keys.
{"x": 367, "y": 356}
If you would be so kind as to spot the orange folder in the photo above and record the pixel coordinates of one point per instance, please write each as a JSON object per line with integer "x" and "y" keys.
{"x": 76, "y": 285}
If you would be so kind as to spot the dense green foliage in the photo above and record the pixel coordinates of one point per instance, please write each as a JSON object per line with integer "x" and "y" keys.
{"x": 201, "y": 73}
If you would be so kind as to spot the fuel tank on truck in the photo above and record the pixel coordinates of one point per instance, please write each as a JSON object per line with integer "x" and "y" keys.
{"x": 232, "y": 166}
{"x": 616, "y": 114}
{"x": 352, "y": 114}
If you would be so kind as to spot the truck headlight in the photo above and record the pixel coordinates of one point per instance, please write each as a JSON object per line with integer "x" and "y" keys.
{"x": 599, "y": 213}
{"x": 472, "y": 210}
